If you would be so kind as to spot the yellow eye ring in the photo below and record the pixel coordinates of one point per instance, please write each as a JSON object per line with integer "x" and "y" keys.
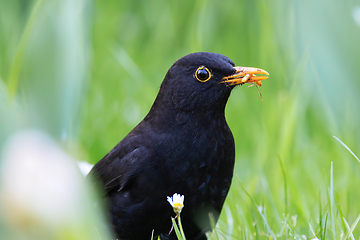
{"x": 203, "y": 74}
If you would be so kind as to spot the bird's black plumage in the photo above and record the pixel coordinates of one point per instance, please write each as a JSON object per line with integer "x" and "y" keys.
{"x": 183, "y": 145}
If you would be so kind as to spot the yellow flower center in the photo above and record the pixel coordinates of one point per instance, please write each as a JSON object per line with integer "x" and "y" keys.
{"x": 178, "y": 207}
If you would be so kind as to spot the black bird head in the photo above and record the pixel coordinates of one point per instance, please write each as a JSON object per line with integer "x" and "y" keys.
{"x": 203, "y": 81}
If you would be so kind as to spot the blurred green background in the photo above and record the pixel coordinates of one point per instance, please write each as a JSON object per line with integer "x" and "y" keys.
{"x": 86, "y": 72}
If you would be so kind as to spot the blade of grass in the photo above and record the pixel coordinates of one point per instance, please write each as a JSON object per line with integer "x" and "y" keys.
{"x": 339, "y": 211}
{"x": 230, "y": 220}
{"x": 349, "y": 234}
{"x": 325, "y": 224}
{"x": 332, "y": 199}
{"x": 20, "y": 51}
{"x": 285, "y": 186}
{"x": 320, "y": 217}
{"x": 261, "y": 214}
{"x": 152, "y": 234}
{"x": 257, "y": 232}
{"x": 283, "y": 231}
{"x": 177, "y": 231}
{"x": 347, "y": 148}
{"x": 181, "y": 228}
{"x": 312, "y": 230}
{"x": 350, "y": 230}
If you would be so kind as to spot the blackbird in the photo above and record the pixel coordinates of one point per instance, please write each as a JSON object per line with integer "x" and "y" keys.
{"x": 183, "y": 145}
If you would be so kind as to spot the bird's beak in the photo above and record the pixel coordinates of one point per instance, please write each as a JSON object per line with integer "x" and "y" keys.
{"x": 246, "y": 75}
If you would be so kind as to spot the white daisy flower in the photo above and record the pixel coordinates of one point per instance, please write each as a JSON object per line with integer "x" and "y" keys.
{"x": 177, "y": 202}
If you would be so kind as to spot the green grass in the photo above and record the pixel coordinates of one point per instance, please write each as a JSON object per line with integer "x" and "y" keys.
{"x": 86, "y": 72}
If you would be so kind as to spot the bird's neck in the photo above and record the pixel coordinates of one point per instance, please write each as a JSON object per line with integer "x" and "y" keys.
{"x": 169, "y": 111}
{"x": 169, "y": 117}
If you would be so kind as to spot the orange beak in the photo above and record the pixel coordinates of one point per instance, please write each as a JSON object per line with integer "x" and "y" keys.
{"x": 246, "y": 75}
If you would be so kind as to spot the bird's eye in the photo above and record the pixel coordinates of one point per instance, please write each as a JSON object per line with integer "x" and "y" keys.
{"x": 203, "y": 74}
